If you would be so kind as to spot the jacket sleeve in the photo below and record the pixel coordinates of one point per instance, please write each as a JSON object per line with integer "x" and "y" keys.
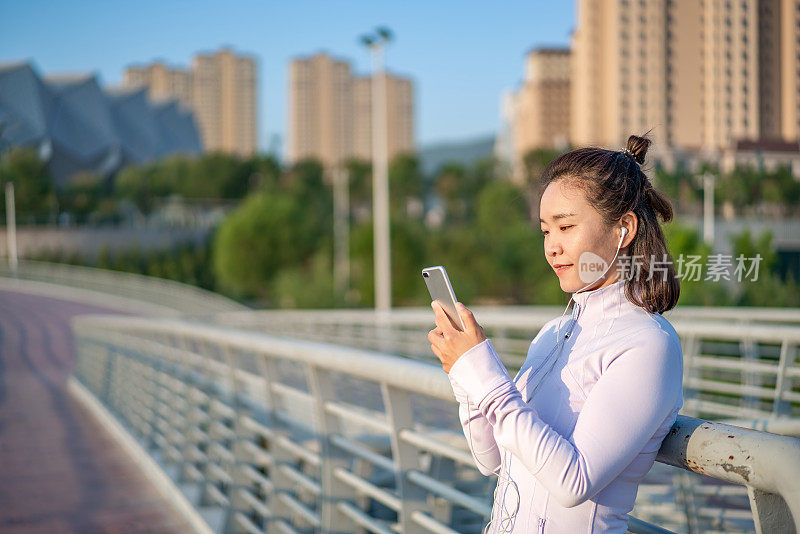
{"x": 634, "y": 395}
{"x": 477, "y": 430}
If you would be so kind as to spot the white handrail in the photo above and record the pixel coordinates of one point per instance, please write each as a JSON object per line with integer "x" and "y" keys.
{"x": 144, "y": 369}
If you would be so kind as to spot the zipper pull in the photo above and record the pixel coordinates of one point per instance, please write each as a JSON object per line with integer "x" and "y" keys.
{"x": 540, "y": 530}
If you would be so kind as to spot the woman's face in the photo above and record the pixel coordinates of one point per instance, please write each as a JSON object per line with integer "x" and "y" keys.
{"x": 576, "y": 236}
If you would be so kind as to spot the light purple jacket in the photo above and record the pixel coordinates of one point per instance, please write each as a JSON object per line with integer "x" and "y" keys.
{"x": 579, "y": 447}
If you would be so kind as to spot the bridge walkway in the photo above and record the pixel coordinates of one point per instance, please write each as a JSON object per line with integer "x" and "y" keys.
{"x": 61, "y": 471}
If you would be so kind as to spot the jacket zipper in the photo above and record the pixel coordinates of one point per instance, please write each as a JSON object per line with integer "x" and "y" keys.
{"x": 532, "y": 373}
{"x": 540, "y": 528}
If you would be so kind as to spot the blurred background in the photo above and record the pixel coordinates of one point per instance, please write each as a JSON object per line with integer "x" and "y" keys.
{"x": 202, "y": 143}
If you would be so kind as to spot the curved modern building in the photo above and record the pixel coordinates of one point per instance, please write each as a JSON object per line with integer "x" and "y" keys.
{"x": 77, "y": 126}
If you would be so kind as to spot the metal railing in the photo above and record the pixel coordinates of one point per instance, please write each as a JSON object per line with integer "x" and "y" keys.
{"x": 297, "y": 436}
{"x": 168, "y": 295}
{"x": 746, "y": 372}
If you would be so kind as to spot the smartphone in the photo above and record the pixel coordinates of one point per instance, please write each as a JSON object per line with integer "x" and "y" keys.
{"x": 440, "y": 289}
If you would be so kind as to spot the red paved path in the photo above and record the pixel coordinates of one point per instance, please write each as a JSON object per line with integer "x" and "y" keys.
{"x": 60, "y": 471}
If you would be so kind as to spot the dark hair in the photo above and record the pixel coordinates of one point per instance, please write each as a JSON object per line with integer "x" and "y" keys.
{"x": 614, "y": 184}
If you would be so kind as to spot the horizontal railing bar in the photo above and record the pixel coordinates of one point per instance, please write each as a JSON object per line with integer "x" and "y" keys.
{"x": 259, "y": 507}
{"x": 449, "y": 493}
{"x": 372, "y": 366}
{"x": 293, "y": 393}
{"x": 724, "y": 387}
{"x": 371, "y": 419}
{"x": 285, "y": 528}
{"x": 258, "y": 456}
{"x": 243, "y": 522}
{"x": 255, "y": 476}
{"x": 637, "y": 526}
{"x": 308, "y": 515}
{"x": 254, "y": 426}
{"x": 360, "y": 451}
{"x": 523, "y": 320}
{"x": 218, "y": 474}
{"x": 361, "y": 519}
{"x": 426, "y": 521}
{"x": 735, "y": 364}
{"x": 367, "y": 488}
{"x": 737, "y": 455}
{"x": 728, "y": 410}
{"x": 425, "y": 442}
{"x": 298, "y": 450}
{"x": 301, "y": 479}
{"x": 216, "y": 495}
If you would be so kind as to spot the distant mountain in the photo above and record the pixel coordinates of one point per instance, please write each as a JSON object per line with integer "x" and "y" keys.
{"x": 466, "y": 152}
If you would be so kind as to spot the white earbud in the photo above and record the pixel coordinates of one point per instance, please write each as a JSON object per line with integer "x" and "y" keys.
{"x": 624, "y": 231}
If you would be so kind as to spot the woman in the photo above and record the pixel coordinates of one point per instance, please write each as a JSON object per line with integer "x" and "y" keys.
{"x": 573, "y": 434}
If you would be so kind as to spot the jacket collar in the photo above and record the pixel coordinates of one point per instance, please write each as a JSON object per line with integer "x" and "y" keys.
{"x": 598, "y": 304}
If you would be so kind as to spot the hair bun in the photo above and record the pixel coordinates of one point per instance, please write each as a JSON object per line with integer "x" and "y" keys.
{"x": 638, "y": 146}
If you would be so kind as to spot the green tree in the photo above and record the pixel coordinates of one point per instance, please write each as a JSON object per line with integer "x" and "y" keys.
{"x": 451, "y": 186}
{"x": 82, "y": 196}
{"x": 266, "y": 173}
{"x": 267, "y": 233}
{"x": 359, "y": 175}
{"x": 687, "y": 248}
{"x": 760, "y": 283}
{"x": 34, "y": 193}
{"x": 308, "y": 285}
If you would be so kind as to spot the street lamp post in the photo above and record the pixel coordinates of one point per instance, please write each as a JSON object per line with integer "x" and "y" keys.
{"x": 380, "y": 170}
{"x": 708, "y": 208}
{"x": 341, "y": 230}
{"x": 11, "y": 217}
{"x": 11, "y": 229}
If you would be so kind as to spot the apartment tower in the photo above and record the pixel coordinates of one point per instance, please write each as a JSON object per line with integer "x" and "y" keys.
{"x": 225, "y": 101}
{"x": 703, "y": 74}
{"x": 330, "y": 112}
{"x": 220, "y": 89}
{"x": 540, "y": 116}
{"x": 320, "y": 109}
{"x": 162, "y": 82}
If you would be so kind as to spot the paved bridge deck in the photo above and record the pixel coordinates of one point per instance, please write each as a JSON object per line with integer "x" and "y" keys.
{"x": 60, "y": 470}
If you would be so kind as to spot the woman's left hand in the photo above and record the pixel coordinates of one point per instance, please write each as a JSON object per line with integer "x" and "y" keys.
{"x": 448, "y": 343}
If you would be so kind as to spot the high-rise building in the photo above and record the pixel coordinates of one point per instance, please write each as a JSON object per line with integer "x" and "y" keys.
{"x": 225, "y": 101}
{"x": 788, "y": 105}
{"x": 220, "y": 89}
{"x": 320, "y": 109}
{"x": 399, "y": 116}
{"x": 541, "y": 106}
{"x": 162, "y": 82}
{"x": 704, "y": 75}
{"x": 330, "y": 112}
{"x": 619, "y": 65}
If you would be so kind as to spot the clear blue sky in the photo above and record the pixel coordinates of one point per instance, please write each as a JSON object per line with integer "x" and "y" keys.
{"x": 461, "y": 55}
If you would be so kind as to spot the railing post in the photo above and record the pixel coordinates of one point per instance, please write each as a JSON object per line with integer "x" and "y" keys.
{"x": 157, "y": 374}
{"x": 193, "y": 416}
{"x": 327, "y": 425}
{"x": 233, "y": 469}
{"x": 279, "y": 456}
{"x": 770, "y": 513}
{"x": 783, "y": 383}
{"x": 691, "y": 348}
{"x": 443, "y": 470}
{"x": 406, "y": 456}
{"x": 749, "y": 350}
